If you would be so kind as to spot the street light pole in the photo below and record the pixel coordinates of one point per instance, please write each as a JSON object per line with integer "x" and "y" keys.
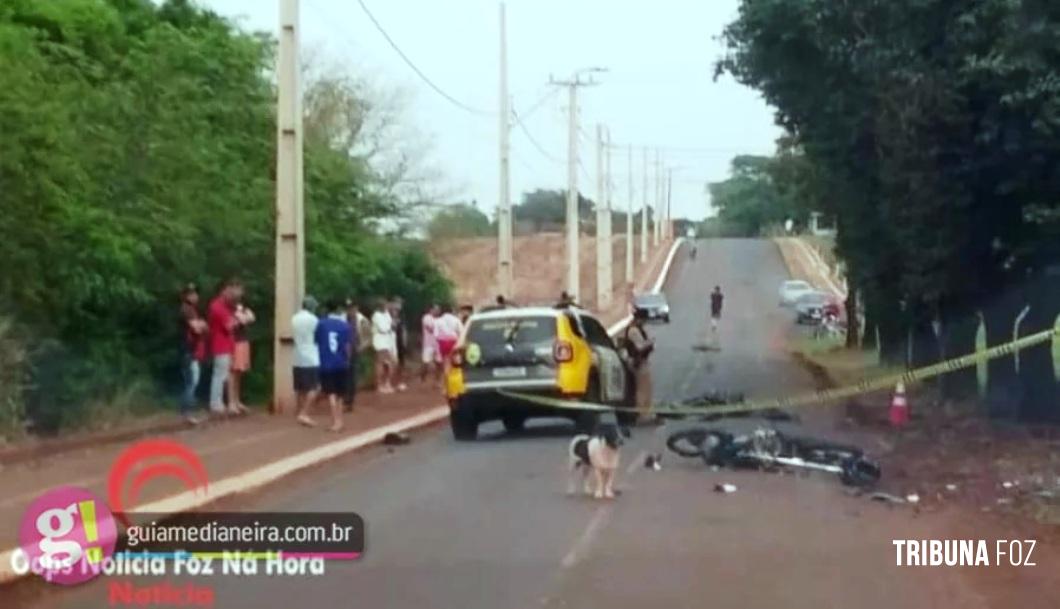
{"x": 504, "y": 204}
{"x": 290, "y": 218}
{"x": 603, "y": 291}
{"x": 573, "y": 261}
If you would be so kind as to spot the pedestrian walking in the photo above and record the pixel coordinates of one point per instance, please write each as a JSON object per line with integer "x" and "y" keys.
{"x": 193, "y": 329}
{"x": 400, "y": 344}
{"x": 334, "y": 339}
{"x": 222, "y": 323}
{"x": 639, "y": 346}
{"x": 716, "y": 299}
{"x": 432, "y": 359}
{"x": 384, "y": 346}
{"x": 306, "y": 359}
{"x": 240, "y": 359}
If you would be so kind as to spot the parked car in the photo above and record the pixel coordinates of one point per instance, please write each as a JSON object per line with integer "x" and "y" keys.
{"x": 811, "y": 307}
{"x": 655, "y": 304}
{"x": 558, "y": 352}
{"x": 791, "y": 290}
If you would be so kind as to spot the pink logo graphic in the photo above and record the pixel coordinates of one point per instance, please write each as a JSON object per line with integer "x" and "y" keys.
{"x": 157, "y": 458}
{"x": 66, "y": 534}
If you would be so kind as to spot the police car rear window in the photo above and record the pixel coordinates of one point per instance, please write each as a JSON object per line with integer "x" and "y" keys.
{"x": 517, "y": 330}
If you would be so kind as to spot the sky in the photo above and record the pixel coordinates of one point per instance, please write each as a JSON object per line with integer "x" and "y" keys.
{"x": 659, "y": 90}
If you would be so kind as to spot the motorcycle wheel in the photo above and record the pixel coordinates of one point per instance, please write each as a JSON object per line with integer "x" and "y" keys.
{"x": 859, "y": 472}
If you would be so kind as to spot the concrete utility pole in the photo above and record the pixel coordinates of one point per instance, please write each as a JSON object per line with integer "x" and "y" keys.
{"x": 604, "y": 274}
{"x": 573, "y": 261}
{"x": 505, "y": 264}
{"x": 658, "y": 198}
{"x": 629, "y": 222}
{"x": 290, "y": 216}
{"x": 668, "y": 225}
{"x": 644, "y": 213}
{"x": 601, "y": 210}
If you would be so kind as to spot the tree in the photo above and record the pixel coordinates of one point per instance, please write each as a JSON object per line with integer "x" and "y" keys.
{"x": 460, "y": 220}
{"x": 932, "y": 123}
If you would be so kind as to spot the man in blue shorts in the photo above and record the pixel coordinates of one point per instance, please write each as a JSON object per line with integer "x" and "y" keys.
{"x": 334, "y": 341}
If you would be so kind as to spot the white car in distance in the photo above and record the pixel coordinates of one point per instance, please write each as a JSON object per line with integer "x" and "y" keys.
{"x": 791, "y": 290}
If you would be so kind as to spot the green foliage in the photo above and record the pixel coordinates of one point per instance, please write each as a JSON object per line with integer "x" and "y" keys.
{"x": 460, "y": 220}
{"x": 764, "y": 192}
{"x": 932, "y": 126}
{"x": 137, "y": 155}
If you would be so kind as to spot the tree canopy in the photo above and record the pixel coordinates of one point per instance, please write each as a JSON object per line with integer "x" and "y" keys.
{"x": 933, "y": 126}
{"x": 137, "y": 155}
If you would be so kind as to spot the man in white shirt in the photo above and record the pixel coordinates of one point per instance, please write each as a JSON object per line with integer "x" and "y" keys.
{"x": 384, "y": 344}
{"x": 306, "y": 358}
{"x": 432, "y": 358}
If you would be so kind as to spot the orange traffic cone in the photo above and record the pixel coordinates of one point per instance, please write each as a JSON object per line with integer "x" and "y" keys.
{"x": 899, "y": 413}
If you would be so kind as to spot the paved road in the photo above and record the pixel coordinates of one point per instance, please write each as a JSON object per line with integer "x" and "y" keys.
{"x": 486, "y": 525}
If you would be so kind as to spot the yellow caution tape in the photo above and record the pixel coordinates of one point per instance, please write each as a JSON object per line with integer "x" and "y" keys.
{"x": 813, "y": 398}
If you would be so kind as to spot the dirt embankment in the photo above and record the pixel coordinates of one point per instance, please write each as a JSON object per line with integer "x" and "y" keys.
{"x": 540, "y": 268}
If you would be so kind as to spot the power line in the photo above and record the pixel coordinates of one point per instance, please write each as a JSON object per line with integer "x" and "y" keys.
{"x": 536, "y": 105}
{"x": 415, "y": 69}
{"x": 530, "y": 137}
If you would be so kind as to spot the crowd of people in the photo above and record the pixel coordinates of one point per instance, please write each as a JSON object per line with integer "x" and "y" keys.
{"x": 329, "y": 343}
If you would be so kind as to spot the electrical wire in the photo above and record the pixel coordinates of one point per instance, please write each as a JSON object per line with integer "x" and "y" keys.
{"x": 415, "y": 69}
{"x": 529, "y": 136}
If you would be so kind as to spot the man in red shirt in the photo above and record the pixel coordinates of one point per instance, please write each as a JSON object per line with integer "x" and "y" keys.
{"x": 222, "y": 323}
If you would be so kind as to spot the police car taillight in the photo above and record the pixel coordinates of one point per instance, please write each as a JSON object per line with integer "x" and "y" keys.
{"x": 562, "y": 351}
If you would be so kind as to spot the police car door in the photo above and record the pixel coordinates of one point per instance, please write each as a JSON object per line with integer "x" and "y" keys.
{"x": 607, "y": 360}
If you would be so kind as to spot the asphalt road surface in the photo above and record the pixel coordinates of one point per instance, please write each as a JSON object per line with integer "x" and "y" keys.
{"x": 487, "y": 524}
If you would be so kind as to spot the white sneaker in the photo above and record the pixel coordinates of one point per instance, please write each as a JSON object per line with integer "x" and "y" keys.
{"x": 402, "y": 387}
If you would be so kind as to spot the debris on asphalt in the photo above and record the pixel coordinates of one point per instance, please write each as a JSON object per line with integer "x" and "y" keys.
{"x": 951, "y": 487}
{"x": 396, "y": 439}
{"x": 889, "y": 498}
{"x": 912, "y": 498}
{"x": 1007, "y": 484}
{"x": 1004, "y": 500}
{"x": 725, "y": 488}
{"x": 715, "y": 468}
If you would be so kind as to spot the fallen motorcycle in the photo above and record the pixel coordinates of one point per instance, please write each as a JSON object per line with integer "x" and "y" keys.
{"x": 767, "y": 448}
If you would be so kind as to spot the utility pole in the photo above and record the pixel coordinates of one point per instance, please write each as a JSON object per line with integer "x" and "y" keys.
{"x": 644, "y": 213}
{"x": 629, "y": 222}
{"x": 668, "y": 226}
{"x": 573, "y": 262}
{"x": 658, "y": 198}
{"x": 504, "y": 205}
{"x": 290, "y": 216}
{"x": 601, "y": 210}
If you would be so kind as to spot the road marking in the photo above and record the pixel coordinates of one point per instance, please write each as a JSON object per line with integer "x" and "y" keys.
{"x": 586, "y": 537}
{"x": 261, "y": 476}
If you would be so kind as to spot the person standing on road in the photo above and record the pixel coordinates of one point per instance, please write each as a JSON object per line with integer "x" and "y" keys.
{"x": 222, "y": 324}
{"x": 192, "y": 350}
{"x": 639, "y": 347}
{"x": 431, "y": 357}
{"x": 385, "y": 347}
{"x": 306, "y": 359}
{"x": 716, "y": 299}
{"x": 334, "y": 339}
{"x": 400, "y": 344}
{"x": 240, "y": 359}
